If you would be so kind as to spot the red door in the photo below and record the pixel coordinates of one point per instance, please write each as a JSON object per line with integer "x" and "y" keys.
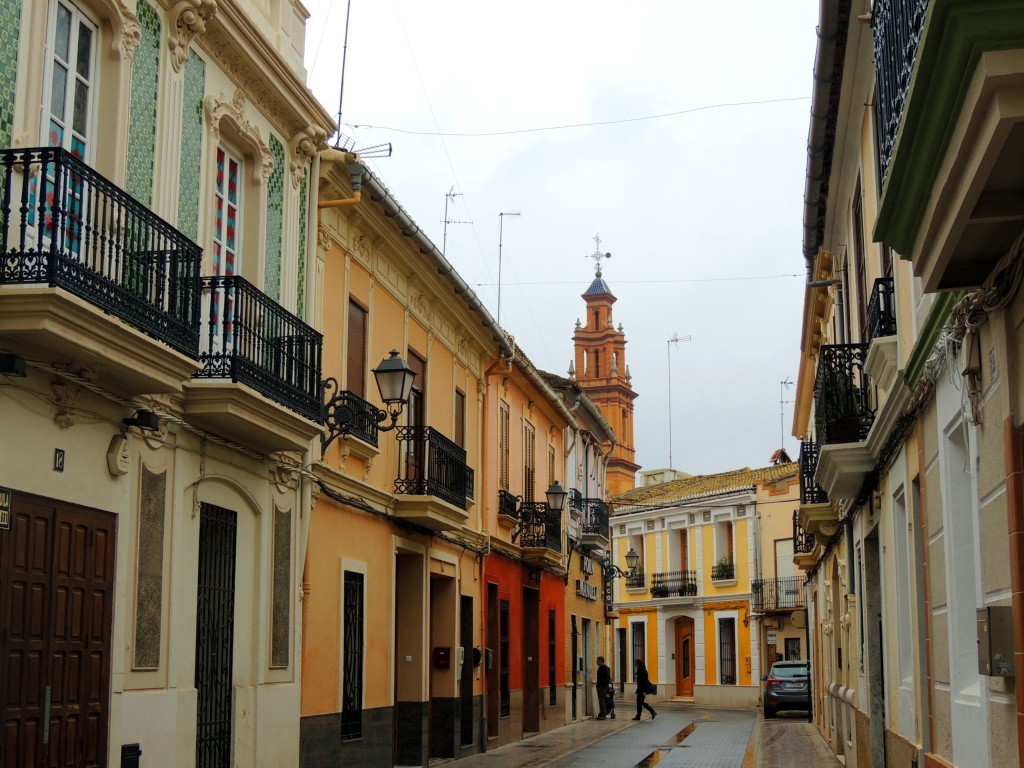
{"x": 56, "y": 585}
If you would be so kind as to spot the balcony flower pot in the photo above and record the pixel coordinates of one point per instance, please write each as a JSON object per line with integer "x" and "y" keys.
{"x": 659, "y": 591}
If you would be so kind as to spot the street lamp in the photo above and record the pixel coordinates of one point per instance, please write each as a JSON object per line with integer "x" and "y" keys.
{"x": 345, "y": 412}
{"x": 632, "y": 559}
{"x": 556, "y": 496}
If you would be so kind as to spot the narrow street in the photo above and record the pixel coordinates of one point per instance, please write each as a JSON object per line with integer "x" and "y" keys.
{"x": 681, "y": 735}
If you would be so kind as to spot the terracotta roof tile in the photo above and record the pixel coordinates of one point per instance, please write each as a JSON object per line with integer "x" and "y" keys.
{"x": 703, "y": 486}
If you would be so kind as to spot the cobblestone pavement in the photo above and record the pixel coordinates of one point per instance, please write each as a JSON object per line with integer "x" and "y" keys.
{"x": 682, "y": 735}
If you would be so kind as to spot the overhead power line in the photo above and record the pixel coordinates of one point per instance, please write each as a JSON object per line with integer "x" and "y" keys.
{"x": 579, "y": 125}
{"x": 619, "y": 281}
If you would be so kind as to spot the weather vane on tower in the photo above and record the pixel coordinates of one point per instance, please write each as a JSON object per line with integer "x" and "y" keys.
{"x": 597, "y": 256}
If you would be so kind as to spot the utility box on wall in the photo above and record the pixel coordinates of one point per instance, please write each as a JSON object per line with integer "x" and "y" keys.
{"x": 442, "y": 658}
{"x": 995, "y": 641}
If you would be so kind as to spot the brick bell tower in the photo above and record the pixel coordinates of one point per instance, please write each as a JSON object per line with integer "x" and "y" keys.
{"x": 601, "y": 371}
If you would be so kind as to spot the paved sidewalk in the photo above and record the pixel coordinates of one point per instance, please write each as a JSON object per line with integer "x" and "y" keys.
{"x": 788, "y": 741}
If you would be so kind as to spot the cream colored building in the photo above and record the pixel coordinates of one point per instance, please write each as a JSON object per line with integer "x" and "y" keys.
{"x": 160, "y": 386}
{"x": 909, "y": 383}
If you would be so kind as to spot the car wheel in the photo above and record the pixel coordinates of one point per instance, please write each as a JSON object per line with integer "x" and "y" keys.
{"x": 769, "y": 713}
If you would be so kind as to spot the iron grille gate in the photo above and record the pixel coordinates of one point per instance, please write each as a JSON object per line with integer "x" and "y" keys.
{"x": 215, "y": 629}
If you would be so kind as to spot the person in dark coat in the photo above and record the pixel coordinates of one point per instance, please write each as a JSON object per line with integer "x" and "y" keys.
{"x": 604, "y": 681}
{"x": 643, "y": 687}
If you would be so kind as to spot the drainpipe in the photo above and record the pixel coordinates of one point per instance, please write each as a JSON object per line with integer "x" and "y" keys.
{"x": 824, "y": 66}
{"x": 355, "y": 170}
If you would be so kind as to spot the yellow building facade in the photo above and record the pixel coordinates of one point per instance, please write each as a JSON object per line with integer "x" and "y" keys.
{"x": 686, "y": 609}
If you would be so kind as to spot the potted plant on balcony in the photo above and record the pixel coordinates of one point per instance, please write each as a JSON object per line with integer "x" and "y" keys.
{"x": 724, "y": 569}
{"x": 659, "y": 590}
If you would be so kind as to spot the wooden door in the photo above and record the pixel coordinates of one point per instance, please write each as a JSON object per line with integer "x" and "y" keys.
{"x": 56, "y": 587}
{"x": 531, "y": 661}
{"x": 684, "y": 656}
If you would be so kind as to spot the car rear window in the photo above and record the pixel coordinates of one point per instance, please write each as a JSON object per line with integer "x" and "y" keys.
{"x": 790, "y": 670}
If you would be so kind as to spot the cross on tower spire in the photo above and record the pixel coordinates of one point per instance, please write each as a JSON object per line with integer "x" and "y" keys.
{"x": 597, "y": 256}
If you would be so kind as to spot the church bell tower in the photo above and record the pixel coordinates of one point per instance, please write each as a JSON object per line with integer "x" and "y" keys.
{"x": 602, "y": 372}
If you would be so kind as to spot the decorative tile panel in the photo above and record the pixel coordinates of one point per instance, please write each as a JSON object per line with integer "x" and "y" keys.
{"x": 149, "y": 590}
{"x": 142, "y": 121}
{"x": 10, "y": 18}
{"x": 190, "y": 167}
{"x": 280, "y": 635}
{"x": 303, "y": 192}
{"x": 275, "y": 222}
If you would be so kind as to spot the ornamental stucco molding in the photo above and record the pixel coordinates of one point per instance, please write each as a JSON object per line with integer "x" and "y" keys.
{"x": 127, "y": 42}
{"x": 187, "y": 20}
{"x": 217, "y": 108}
{"x": 305, "y": 144}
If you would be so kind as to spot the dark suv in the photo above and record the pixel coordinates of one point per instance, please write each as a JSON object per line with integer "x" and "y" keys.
{"x": 786, "y": 687}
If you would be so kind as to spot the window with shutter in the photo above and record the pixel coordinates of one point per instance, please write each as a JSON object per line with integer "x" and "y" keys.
{"x": 503, "y": 447}
{"x": 460, "y": 419}
{"x": 529, "y": 461}
{"x": 356, "y": 372}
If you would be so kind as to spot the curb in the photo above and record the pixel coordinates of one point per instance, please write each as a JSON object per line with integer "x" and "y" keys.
{"x": 750, "y": 758}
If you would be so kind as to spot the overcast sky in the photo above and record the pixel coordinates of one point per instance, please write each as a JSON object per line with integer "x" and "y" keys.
{"x": 701, "y": 210}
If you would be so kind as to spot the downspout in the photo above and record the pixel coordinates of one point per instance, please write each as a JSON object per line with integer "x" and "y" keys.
{"x": 824, "y": 68}
{"x": 355, "y": 170}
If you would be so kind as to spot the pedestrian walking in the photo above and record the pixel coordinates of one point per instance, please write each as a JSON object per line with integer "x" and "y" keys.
{"x": 604, "y": 681}
{"x": 643, "y": 687}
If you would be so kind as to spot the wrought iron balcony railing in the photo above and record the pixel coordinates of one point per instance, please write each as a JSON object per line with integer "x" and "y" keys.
{"x": 470, "y": 483}
{"x": 771, "y": 595}
{"x": 431, "y": 465}
{"x": 882, "y": 310}
{"x": 508, "y": 505}
{"x": 540, "y": 526}
{"x": 64, "y": 225}
{"x": 575, "y": 500}
{"x": 723, "y": 571}
{"x": 359, "y": 416}
{"x": 636, "y": 579}
{"x": 896, "y": 25}
{"x": 674, "y": 584}
{"x": 595, "y": 517}
{"x": 810, "y": 491}
{"x": 803, "y": 542}
{"x": 253, "y": 340}
{"x": 843, "y": 408}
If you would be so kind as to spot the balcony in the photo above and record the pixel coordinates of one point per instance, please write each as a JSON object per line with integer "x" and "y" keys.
{"x": 951, "y": 124}
{"x": 810, "y": 491}
{"x": 540, "y": 533}
{"x": 843, "y": 411}
{"x": 803, "y": 545}
{"x": 432, "y": 482}
{"x": 778, "y": 595}
{"x": 636, "y": 579}
{"x": 674, "y": 584}
{"x": 595, "y": 523}
{"x": 723, "y": 572}
{"x": 880, "y": 364}
{"x": 259, "y": 383}
{"x": 91, "y": 279}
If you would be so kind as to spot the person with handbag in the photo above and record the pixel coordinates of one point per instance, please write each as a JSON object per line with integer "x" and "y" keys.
{"x": 643, "y": 687}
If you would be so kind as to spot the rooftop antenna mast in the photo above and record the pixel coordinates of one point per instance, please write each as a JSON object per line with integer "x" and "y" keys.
{"x": 673, "y": 341}
{"x": 783, "y": 386}
{"x": 449, "y": 196}
{"x": 501, "y": 224}
{"x": 343, "y": 142}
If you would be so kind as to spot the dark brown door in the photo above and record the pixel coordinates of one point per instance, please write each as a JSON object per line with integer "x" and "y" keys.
{"x": 491, "y": 663}
{"x": 531, "y": 661}
{"x": 56, "y": 585}
{"x": 684, "y": 656}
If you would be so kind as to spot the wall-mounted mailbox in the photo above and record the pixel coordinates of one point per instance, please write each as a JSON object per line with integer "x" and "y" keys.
{"x": 476, "y": 657}
{"x": 442, "y": 658}
{"x": 995, "y": 641}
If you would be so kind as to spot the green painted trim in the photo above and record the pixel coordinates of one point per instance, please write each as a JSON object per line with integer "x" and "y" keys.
{"x": 933, "y": 324}
{"x": 955, "y": 34}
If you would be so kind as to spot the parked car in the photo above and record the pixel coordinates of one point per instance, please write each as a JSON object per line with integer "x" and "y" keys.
{"x": 787, "y": 686}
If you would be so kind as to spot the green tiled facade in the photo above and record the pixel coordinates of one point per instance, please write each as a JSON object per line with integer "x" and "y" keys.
{"x": 303, "y": 202}
{"x": 10, "y": 18}
{"x": 275, "y": 222}
{"x": 190, "y": 167}
{"x": 142, "y": 123}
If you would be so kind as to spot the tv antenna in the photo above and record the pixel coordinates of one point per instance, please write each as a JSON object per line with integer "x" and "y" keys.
{"x": 673, "y": 341}
{"x": 347, "y": 143}
{"x": 501, "y": 224}
{"x": 449, "y": 196}
{"x": 598, "y": 256}
{"x": 783, "y": 386}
